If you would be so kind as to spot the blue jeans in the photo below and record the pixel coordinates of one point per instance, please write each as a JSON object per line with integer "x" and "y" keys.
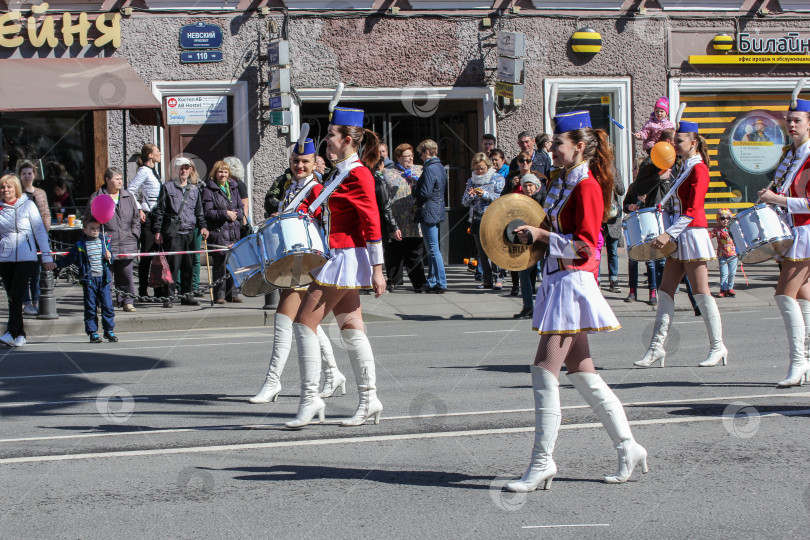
{"x": 612, "y": 248}
{"x": 31, "y": 293}
{"x": 527, "y": 278}
{"x": 436, "y": 278}
{"x": 728, "y": 269}
{"x": 655, "y": 269}
{"x": 95, "y": 294}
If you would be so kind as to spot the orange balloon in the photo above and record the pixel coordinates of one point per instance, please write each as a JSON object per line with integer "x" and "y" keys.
{"x": 663, "y": 155}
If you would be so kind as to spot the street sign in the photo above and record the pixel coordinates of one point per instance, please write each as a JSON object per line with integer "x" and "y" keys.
{"x": 200, "y": 36}
{"x": 278, "y": 53}
{"x": 511, "y": 44}
{"x": 200, "y": 57}
{"x": 280, "y": 118}
{"x": 280, "y": 101}
{"x": 510, "y": 70}
{"x": 510, "y": 91}
{"x": 280, "y": 80}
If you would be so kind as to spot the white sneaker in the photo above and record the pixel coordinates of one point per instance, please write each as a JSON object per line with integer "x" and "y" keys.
{"x": 29, "y": 309}
{"x": 7, "y": 339}
{"x": 20, "y": 341}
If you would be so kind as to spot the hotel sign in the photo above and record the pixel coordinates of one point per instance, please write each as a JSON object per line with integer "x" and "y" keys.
{"x": 42, "y": 31}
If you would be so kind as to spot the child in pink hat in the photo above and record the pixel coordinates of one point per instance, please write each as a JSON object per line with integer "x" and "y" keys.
{"x": 657, "y": 123}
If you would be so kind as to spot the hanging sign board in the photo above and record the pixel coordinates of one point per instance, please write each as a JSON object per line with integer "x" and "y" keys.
{"x": 280, "y": 80}
{"x": 511, "y": 44}
{"x": 196, "y": 110}
{"x": 201, "y": 36}
{"x": 510, "y": 91}
{"x": 280, "y": 101}
{"x": 280, "y": 118}
{"x": 199, "y": 57}
{"x": 278, "y": 53}
{"x": 510, "y": 70}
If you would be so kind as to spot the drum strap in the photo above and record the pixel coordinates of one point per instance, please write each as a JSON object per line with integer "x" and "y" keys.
{"x": 687, "y": 170}
{"x": 333, "y": 186}
{"x": 302, "y": 194}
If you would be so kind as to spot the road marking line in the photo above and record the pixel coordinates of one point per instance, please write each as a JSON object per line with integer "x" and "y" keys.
{"x": 572, "y": 525}
{"x": 38, "y": 403}
{"x": 53, "y": 375}
{"x": 491, "y": 331}
{"x": 368, "y": 439}
{"x": 420, "y": 417}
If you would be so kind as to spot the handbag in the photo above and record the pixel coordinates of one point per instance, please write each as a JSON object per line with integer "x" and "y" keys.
{"x": 160, "y": 274}
{"x": 172, "y": 226}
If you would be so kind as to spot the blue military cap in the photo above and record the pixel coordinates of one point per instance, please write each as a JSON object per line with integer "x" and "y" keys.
{"x": 571, "y": 121}
{"x": 801, "y": 105}
{"x": 687, "y": 127}
{"x": 347, "y": 117}
{"x": 306, "y": 148}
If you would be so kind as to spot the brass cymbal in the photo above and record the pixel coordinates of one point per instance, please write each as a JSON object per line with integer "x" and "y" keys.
{"x": 498, "y": 215}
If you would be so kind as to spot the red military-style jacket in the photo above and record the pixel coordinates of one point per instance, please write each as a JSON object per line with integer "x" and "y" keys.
{"x": 580, "y": 222}
{"x": 802, "y": 218}
{"x": 691, "y": 195}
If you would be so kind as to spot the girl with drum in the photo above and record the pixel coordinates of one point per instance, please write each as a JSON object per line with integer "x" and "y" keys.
{"x": 688, "y": 226}
{"x": 793, "y": 189}
{"x": 304, "y": 184}
{"x": 569, "y": 304}
{"x": 352, "y": 224}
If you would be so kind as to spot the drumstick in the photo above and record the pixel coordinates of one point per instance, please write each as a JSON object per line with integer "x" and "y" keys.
{"x": 769, "y": 186}
{"x": 208, "y": 267}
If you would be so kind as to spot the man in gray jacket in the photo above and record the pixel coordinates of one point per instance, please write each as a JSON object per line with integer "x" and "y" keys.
{"x": 179, "y": 210}
{"x": 429, "y": 194}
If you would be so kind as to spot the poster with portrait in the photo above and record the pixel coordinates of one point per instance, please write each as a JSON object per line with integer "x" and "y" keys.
{"x": 756, "y": 142}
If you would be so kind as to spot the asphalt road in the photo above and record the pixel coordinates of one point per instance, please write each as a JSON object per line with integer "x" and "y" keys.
{"x": 153, "y": 437}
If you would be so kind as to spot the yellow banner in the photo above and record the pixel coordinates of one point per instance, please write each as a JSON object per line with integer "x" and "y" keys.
{"x": 749, "y": 59}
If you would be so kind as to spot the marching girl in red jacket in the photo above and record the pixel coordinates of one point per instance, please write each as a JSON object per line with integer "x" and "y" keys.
{"x": 688, "y": 227}
{"x": 352, "y": 225}
{"x": 302, "y": 166}
{"x": 569, "y": 304}
{"x": 793, "y": 192}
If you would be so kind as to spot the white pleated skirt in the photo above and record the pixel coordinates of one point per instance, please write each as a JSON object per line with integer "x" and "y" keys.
{"x": 694, "y": 244}
{"x": 347, "y": 268}
{"x": 800, "y": 250}
{"x": 569, "y": 302}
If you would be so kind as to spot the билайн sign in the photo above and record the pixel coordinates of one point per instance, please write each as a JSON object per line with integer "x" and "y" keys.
{"x": 43, "y": 34}
{"x": 761, "y": 48}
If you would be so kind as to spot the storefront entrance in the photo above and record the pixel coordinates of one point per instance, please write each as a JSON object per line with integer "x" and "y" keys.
{"x": 454, "y": 127}
{"x": 205, "y": 144}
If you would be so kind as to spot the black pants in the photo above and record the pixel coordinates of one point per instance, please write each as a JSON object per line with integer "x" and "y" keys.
{"x": 123, "y": 280}
{"x": 226, "y": 289}
{"x": 147, "y": 244}
{"x": 185, "y": 263}
{"x": 406, "y": 254}
{"x": 15, "y": 280}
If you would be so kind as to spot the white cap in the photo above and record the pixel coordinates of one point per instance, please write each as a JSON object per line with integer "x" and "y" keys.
{"x": 179, "y": 162}
{"x": 530, "y": 179}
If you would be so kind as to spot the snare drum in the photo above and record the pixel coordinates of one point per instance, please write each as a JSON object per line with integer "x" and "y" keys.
{"x": 292, "y": 246}
{"x": 245, "y": 265}
{"x": 640, "y": 229}
{"x": 760, "y": 233}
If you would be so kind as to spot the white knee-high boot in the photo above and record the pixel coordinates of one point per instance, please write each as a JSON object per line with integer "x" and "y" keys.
{"x": 796, "y": 334}
{"x": 547, "y": 419}
{"x": 365, "y": 375}
{"x": 805, "y": 307}
{"x": 282, "y": 342}
{"x": 610, "y": 412}
{"x": 714, "y": 326}
{"x": 333, "y": 379}
{"x": 663, "y": 318}
{"x": 309, "y": 363}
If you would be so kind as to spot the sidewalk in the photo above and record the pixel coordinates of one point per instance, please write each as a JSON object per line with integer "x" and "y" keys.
{"x": 462, "y": 301}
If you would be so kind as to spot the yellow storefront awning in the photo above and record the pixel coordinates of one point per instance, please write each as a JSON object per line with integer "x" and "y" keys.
{"x": 48, "y": 84}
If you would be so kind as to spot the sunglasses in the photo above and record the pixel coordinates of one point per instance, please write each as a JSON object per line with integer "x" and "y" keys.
{"x": 723, "y": 219}
{"x": 524, "y": 161}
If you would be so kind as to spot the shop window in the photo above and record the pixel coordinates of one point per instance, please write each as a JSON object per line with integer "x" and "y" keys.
{"x": 745, "y": 135}
{"x": 59, "y": 143}
{"x": 701, "y": 5}
{"x": 794, "y": 5}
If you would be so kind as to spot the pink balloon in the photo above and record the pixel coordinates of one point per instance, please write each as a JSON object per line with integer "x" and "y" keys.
{"x": 103, "y": 208}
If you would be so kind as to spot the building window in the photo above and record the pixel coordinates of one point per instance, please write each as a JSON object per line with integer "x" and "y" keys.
{"x": 60, "y": 143}
{"x": 701, "y": 5}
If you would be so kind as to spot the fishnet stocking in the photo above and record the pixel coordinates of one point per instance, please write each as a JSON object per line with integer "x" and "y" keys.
{"x": 572, "y": 350}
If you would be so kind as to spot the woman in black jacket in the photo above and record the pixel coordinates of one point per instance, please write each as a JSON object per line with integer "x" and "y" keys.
{"x": 223, "y": 214}
{"x": 429, "y": 194}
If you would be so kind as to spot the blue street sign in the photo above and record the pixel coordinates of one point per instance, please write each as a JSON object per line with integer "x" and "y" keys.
{"x": 201, "y": 36}
{"x": 199, "y": 57}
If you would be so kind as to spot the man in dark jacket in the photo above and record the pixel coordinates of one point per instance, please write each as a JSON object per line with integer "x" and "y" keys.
{"x": 429, "y": 193}
{"x": 526, "y": 144}
{"x": 178, "y": 211}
